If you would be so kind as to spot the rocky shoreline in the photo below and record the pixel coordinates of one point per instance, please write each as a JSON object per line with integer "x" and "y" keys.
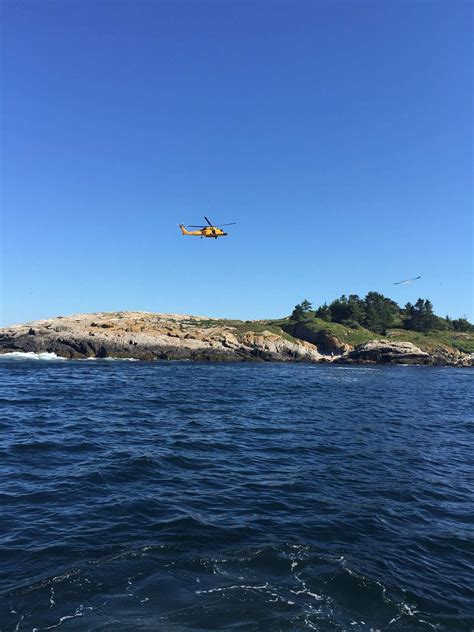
{"x": 150, "y": 336}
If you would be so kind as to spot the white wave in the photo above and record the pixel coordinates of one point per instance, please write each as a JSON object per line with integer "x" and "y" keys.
{"x": 45, "y": 355}
{"x": 30, "y": 355}
{"x": 111, "y": 358}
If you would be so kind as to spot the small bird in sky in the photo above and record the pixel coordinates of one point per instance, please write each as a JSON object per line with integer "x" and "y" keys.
{"x": 406, "y": 281}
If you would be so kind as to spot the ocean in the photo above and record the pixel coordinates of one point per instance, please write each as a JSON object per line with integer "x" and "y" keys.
{"x": 247, "y": 497}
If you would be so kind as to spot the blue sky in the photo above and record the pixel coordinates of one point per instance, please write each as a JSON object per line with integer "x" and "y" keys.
{"x": 337, "y": 134}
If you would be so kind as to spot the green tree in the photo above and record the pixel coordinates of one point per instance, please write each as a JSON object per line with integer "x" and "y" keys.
{"x": 350, "y": 308}
{"x": 298, "y": 312}
{"x": 449, "y": 322}
{"x": 376, "y": 312}
{"x": 339, "y": 309}
{"x": 356, "y": 308}
{"x": 380, "y": 312}
{"x": 462, "y": 324}
{"x": 306, "y": 306}
{"x": 324, "y": 312}
{"x": 441, "y": 324}
{"x": 420, "y": 316}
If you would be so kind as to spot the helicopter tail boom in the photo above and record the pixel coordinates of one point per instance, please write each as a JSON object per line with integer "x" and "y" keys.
{"x": 183, "y": 230}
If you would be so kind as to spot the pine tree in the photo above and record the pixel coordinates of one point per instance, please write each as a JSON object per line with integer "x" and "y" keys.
{"x": 380, "y": 312}
{"x": 462, "y": 324}
{"x": 339, "y": 309}
{"x": 324, "y": 312}
{"x": 356, "y": 309}
{"x": 298, "y": 313}
{"x": 420, "y": 316}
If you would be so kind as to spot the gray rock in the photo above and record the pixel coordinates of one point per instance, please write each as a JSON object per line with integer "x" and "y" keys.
{"x": 389, "y": 352}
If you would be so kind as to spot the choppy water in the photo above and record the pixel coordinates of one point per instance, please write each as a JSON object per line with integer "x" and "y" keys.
{"x": 180, "y": 496}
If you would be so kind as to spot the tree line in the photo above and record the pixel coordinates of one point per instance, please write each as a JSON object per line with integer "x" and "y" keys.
{"x": 379, "y": 313}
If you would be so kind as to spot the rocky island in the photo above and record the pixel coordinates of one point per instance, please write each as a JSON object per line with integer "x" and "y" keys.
{"x": 151, "y": 336}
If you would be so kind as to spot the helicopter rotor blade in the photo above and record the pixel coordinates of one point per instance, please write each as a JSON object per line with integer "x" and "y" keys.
{"x": 211, "y": 225}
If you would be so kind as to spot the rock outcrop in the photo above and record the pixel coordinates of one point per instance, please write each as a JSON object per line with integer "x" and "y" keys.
{"x": 388, "y": 352}
{"x": 147, "y": 336}
{"x": 391, "y": 352}
{"x": 325, "y": 340}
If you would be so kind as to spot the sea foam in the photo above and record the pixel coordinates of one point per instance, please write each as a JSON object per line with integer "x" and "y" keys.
{"x": 45, "y": 355}
{"x": 30, "y": 355}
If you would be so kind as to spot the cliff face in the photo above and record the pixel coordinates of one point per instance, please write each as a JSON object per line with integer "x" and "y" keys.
{"x": 326, "y": 341}
{"x": 148, "y": 336}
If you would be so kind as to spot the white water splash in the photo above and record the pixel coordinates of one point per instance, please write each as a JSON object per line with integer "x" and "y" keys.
{"x": 46, "y": 355}
{"x": 109, "y": 359}
{"x": 30, "y": 355}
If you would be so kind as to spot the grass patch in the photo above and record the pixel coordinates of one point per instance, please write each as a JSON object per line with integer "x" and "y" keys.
{"x": 312, "y": 324}
{"x": 435, "y": 339}
{"x": 242, "y": 326}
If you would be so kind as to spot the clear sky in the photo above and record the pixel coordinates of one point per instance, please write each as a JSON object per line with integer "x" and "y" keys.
{"x": 337, "y": 134}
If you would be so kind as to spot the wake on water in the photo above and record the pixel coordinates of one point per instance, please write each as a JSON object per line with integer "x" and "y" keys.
{"x": 271, "y": 497}
{"x": 290, "y": 587}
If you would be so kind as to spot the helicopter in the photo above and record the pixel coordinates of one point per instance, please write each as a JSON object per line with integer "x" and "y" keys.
{"x": 208, "y": 230}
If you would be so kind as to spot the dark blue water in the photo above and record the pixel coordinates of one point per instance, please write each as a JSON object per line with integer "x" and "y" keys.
{"x": 180, "y": 496}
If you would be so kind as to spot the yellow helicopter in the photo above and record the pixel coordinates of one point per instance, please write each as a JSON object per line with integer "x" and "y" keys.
{"x": 206, "y": 231}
